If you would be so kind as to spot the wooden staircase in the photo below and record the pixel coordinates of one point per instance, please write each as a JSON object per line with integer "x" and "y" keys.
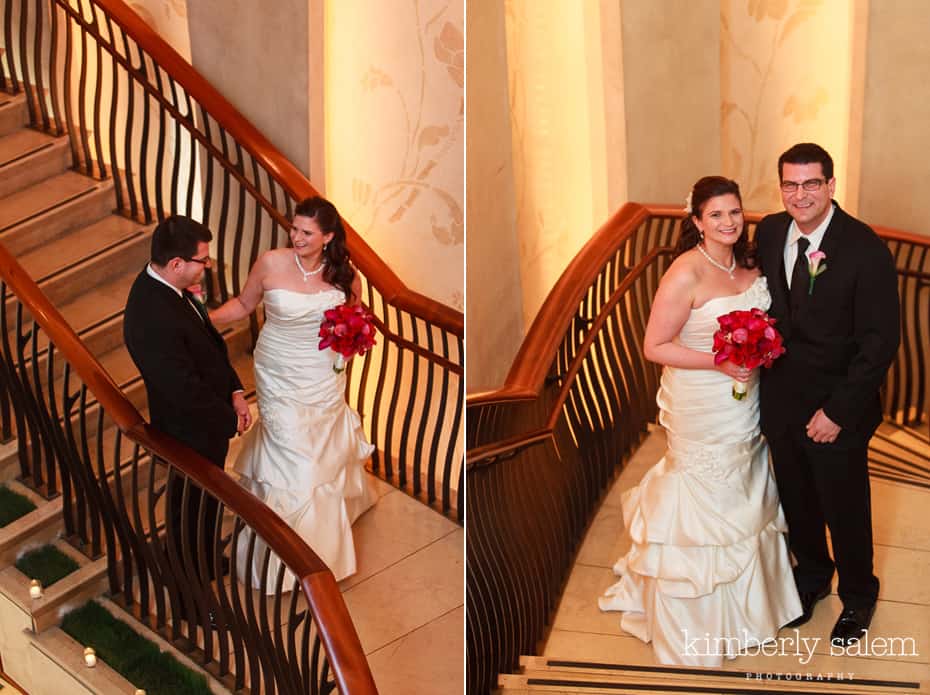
{"x": 61, "y": 227}
{"x": 550, "y": 675}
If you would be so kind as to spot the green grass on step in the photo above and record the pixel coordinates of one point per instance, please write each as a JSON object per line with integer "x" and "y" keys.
{"x": 132, "y": 656}
{"x": 13, "y": 505}
{"x": 47, "y": 564}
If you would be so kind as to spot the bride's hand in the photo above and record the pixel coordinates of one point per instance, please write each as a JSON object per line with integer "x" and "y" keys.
{"x": 734, "y": 371}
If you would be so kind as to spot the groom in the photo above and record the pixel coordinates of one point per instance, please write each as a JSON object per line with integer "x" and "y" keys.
{"x": 820, "y": 401}
{"x": 193, "y": 393}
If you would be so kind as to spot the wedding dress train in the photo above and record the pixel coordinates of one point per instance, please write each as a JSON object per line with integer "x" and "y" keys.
{"x": 304, "y": 456}
{"x": 708, "y": 573}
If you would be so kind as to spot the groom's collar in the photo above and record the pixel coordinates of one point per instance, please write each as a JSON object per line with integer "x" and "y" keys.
{"x": 152, "y": 273}
{"x": 815, "y": 237}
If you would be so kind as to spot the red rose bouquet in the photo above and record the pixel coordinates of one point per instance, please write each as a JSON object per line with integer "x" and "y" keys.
{"x": 348, "y": 330}
{"x": 747, "y": 339}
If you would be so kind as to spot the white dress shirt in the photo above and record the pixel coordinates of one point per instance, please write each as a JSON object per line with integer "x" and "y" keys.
{"x": 152, "y": 274}
{"x": 815, "y": 238}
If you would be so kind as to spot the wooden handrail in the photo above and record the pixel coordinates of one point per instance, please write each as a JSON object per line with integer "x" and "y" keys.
{"x": 294, "y": 182}
{"x": 336, "y": 630}
{"x": 530, "y": 366}
{"x": 528, "y": 373}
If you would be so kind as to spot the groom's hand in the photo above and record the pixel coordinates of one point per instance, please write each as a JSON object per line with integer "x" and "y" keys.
{"x": 822, "y": 429}
{"x": 241, "y": 406}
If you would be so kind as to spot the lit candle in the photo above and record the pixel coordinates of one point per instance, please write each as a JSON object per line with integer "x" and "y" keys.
{"x": 35, "y": 589}
{"x": 139, "y": 691}
{"x": 90, "y": 657}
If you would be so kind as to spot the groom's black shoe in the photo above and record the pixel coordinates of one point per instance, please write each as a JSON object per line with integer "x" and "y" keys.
{"x": 808, "y": 600}
{"x": 851, "y": 626}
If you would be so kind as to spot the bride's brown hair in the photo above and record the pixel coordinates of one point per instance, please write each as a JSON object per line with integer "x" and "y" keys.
{"x": 338, "y": 271}
{"x": 744, "y": 251}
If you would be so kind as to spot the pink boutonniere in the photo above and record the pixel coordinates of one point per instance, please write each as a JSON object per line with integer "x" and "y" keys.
{"x": 816, "y": 266}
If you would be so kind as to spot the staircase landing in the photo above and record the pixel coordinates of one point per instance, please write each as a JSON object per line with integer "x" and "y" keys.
{"x": 901, "y": 525}
{"x": 407, "y": 597}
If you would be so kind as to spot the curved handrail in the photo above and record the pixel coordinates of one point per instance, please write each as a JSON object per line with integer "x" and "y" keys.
{"x": 531, "y": 364}
{"x": 388, "y": 283}
{"x": 533, "y": 359}
{"x": 544, "y": 448}
{"x": 336, "y": 629}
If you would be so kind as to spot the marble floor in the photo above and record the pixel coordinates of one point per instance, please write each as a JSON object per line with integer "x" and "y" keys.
{"x": 902, "y": 562}
{"x": 407, "y": 599}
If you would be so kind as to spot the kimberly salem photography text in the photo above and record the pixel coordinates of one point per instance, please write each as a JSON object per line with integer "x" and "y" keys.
{"x": 794, "y": 644}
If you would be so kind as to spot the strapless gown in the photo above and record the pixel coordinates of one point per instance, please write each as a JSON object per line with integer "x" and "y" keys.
{"x": 708, "y": 573}
{"x": 304, "y": 456}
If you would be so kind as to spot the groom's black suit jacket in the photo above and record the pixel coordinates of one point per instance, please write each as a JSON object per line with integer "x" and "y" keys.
{"x": 840, "y": 339}
{"x": 184, "y": 363}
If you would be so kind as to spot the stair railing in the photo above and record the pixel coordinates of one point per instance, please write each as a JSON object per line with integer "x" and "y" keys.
{"x": 136, "y": 112}
{"x": 543, "y": 449}
{"x": 120, "y": 480}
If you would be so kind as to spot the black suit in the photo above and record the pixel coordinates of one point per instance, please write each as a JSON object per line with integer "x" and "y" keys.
{"x": 840, "y": 340}
{"x": 188, "y": 377}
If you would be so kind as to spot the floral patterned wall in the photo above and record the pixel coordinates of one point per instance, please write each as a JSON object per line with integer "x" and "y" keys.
{"x": 786, "y": 77}
{"x": 394, "y": 105}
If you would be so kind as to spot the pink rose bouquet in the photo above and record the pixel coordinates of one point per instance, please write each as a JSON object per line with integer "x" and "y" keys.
{"x": 747, "y": 339}
{"x": 348, "y": 330}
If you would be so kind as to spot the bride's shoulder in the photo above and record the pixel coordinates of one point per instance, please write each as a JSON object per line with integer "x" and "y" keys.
{"x": 684, "y": 273}
{"x": 274, "y": 259}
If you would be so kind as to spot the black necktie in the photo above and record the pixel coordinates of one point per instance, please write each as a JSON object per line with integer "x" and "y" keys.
{"x": 800, "y": 275}
{"x": 192, "y": 302}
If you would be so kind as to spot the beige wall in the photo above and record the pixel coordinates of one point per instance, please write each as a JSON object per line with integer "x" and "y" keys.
{"x": 169, "y": 19}
{"x": 896, "y": 120}
{"x": 671, "y": 75}
{"x": 493, "y": 271}
{"x": 786, "y": 77}
{"x": 395, "y": 112}
{"x": 257, "y": 56}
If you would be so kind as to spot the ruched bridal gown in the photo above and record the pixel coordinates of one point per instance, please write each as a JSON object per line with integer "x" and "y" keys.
{"x": 708, "y": 573}
{"x": 304, "y": 457}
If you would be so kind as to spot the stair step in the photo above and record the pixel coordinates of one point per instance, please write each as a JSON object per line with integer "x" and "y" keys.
{"x": 68, "y": 593}
{"x": 28, "y": 157}
{"x": 60, "y": 660}
{"x": 541, "y": 674}
{"x": 44, "y": 211}
{"x": 40, "y": 526}
{"x": 13, "y": 112}
{"x": 85, "y": 244}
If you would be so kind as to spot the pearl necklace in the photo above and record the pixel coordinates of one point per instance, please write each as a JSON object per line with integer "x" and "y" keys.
{"x": 728, "y": 271}
{"x": 307, "y": 273}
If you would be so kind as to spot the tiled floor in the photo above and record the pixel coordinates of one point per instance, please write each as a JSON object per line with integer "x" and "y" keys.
{"x": 902, "y": 562}
{"x": 407, "y": 597}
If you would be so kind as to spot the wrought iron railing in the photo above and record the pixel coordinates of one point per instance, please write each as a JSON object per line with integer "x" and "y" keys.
{"x": 543, "y": 449}
{"x": 136, "y": 112}
{"x": 119, "y": 482}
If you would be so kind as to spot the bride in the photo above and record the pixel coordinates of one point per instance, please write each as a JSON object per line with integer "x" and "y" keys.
{"x": 708, "y": 573}
{"x": 305, "y": 457}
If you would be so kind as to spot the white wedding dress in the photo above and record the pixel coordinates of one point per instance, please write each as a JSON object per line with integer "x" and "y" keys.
{"x": 708, "y": 573}
{"x": 304, "y": 456}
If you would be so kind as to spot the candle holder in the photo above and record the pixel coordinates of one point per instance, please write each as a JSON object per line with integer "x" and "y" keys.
{"x": 90, "y": 657}
{"x": 35, "y": 589}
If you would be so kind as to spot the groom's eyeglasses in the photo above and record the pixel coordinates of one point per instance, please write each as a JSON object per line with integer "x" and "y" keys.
{"x": 205, "y": 261}
{"x": 809, "y": 185}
